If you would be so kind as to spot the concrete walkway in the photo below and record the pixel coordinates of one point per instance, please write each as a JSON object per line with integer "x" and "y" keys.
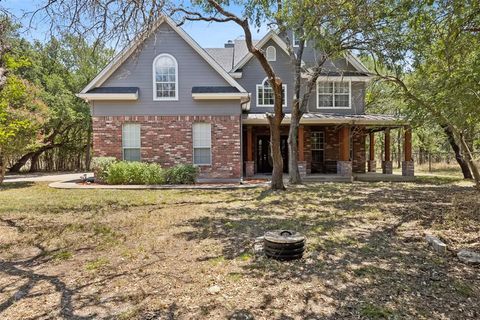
{"x": 46, "y": 176}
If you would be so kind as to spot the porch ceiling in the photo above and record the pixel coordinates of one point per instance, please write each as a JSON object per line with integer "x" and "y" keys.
{"x": 376, "y": 120}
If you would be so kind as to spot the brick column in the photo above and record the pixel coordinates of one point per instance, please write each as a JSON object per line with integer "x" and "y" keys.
{"x": 372, "y": 163}
{"x": 408, "y": 167}
{"x": 387, "y": 167}
{"x": 344, "y": 164}
{"x": 249, "y": 164}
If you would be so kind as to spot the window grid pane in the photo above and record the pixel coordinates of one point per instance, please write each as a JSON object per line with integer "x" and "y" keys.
{"x": 333, "y": 94}
{"x": 165, "y": 77}
{"x": 131, "y": 135}
{"x": 130, "y": 154}
{"x": 266, "y": 96}
{"x": 201, "y": 156}
{"x": 202, "y": 142}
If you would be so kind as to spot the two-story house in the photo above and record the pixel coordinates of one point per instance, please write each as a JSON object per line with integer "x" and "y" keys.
{"x": 165, "y": 99}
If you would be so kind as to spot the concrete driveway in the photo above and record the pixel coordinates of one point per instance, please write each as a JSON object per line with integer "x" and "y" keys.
{"x": 46, "y": 176}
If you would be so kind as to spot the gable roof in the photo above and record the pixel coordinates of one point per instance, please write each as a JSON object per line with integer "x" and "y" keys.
{"x": 245, "y": 55}
{"x": 127, "y": 52}
{"x": 271, "y": 35}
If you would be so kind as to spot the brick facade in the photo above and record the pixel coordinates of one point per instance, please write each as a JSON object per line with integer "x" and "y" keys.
{"x": 168, "y": 140}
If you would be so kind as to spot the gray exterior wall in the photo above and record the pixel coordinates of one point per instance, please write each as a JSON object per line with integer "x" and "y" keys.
{"x": 137, "y": 71}
{"x": 253, "y": 74}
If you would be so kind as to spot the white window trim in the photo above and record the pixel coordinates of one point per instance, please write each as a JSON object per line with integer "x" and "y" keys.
{"x": 271, "y": 105}
{"x": 333, "y": 107}
{"x": 140, "y": 138}
{"x": 274, "y": 53}
{"x": 155, "y": 98}
{"x": 293, "y": 41}
{"x": 193, "y": 147}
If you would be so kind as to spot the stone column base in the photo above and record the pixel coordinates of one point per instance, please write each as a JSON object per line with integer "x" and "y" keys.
{"x": 387, "y": 167}
{"x": 302, "y": 168}
{"x": 249, "y": 168}
{"x": 372, "y": 166}
{"x": 408, "y": 168}
{"x": 344, "y": 168}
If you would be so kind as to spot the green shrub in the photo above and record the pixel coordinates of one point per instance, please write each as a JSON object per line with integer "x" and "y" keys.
{"x": 100, "y": 166}
{"x": 181, "y": 174}
{"x": 124, "y": 172}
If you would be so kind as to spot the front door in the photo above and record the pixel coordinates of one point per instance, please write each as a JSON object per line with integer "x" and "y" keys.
{"x": 318, "y": 151}
{"x": 264, "y": 157}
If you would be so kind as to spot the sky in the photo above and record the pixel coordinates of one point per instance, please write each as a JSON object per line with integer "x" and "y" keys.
{"x": 208, "y": 35}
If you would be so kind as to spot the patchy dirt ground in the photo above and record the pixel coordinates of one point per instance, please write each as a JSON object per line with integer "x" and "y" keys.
{"x": 82, "y": 254}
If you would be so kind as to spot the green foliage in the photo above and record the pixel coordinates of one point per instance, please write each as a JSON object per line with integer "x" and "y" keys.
{"x": 100, "y": 166}
{"x": 115, "y": 172}
{"x": 124, "y": 172}
{"x": 42, "y": 79}
{"x": 181, "y": 174}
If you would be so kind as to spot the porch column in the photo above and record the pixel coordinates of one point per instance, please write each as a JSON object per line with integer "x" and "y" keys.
{"x": 408, "y": 167}
{"x": 387, "y": 167}
{"x": 302, "y": 164}
{"x": 372, "y": 163}
{"x": 249, "y": 164}
{"x": 344, "y": 164}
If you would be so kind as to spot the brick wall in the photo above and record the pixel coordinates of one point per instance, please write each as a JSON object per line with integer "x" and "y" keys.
{"x": 358, "y": 140}
{"x": 168, "y": 141}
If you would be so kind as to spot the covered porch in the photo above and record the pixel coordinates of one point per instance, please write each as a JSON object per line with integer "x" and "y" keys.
{"x": 331, "y": 147}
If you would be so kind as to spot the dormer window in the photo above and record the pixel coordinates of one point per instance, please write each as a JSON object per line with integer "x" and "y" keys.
{"x": 165, "y": 78}
{"x": 271, "y": 53}
{"x": 334, "y": 95}
{"x": 265, "y": 95}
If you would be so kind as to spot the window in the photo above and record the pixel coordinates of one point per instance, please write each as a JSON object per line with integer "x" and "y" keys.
{"x": 318, "y": 146}
{"x": 202, "y": 143}
{"x": 271, "y": 53}
{"x": 333, "y": 95}
{"x": 265, "y": 96}
{"x": 165, "y": 78}
{"x": 131, "y": 141}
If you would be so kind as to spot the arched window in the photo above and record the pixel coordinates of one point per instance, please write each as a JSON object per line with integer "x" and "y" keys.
{"x": 265, "y": 96}
{"x": 271, "y": 53}
{"x": 165, "y": 77}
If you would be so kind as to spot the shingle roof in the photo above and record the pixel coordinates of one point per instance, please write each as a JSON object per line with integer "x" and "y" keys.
{"x": 229, "y": 57}
{"x": 224, "y": 89}
{"x": 224, "y": 56}
{"x": 114, "y": 90}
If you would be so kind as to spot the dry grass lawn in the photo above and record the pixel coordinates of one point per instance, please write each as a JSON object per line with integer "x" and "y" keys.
{"x": 80, "y": 254}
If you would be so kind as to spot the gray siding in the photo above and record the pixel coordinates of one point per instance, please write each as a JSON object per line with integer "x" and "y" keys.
{"x": 253, "y": 74}
{"x": 137, "y": 71}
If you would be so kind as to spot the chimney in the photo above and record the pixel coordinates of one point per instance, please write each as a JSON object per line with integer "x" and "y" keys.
{"x": 229, "y": 44}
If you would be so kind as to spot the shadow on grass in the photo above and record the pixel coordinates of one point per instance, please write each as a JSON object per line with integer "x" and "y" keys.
{"x": 15, "y": 185}
{"x": 366, "y": 267}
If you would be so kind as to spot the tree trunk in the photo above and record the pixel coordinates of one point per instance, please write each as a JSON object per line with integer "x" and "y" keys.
{"x": 24, "y": 159}
{"x": 21, "y": 162}
{"x": 34, "y": 161}
{"x": 275, "y": 121}
{"x": 471, "y": 162}
{"x": 293, "y": 172}
{"x": 3, "y": 167}
{"x": 467, "y": 174}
